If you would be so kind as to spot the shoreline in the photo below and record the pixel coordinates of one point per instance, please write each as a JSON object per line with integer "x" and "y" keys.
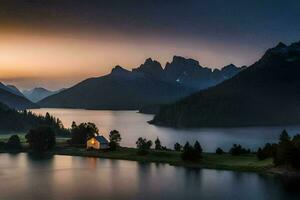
{"x": 242, "y": 163}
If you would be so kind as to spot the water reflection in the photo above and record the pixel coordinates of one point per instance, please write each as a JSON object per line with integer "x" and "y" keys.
{"x": 64, "y": 177}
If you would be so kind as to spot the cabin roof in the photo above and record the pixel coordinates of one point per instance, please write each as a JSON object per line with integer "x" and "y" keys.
{"x": 101, "y": 139}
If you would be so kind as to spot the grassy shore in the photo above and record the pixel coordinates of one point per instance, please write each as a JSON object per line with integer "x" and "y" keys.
{"x": 209, "y": 160}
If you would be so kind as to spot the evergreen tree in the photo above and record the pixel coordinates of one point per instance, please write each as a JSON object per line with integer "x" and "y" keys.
{"x": 285, "y": 150}
{"x": 198, "y": 148}
{"x": 157, "y": 144}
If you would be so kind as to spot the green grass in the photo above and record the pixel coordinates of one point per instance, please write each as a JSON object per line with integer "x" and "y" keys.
{"x": 209, "y": 160}
{"x": 5, "y": 137}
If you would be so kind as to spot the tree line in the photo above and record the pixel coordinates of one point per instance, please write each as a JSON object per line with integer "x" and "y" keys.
{"x": 13, "y": 121}
{"x": 285, "y": 152}
{"x": 41, "y": 139}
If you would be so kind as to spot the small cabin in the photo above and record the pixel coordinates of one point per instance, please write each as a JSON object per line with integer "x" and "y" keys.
{"x": 97, "y": 142}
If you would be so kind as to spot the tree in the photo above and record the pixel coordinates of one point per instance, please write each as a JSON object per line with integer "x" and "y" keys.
{"x": 16, "y": 121}
{"x": 190, "y": 153}
{"x": 74, "y": 125}
{"x": 219, "y": 151}
{"x": 285, "y": 150}
{"x": 198, "y": 148}
{"x": 157, "y": 144}
{"x": 177, "y": 147}
{"x": 83, "y": 132}
{"x": 237, "y": 150}
{"x": 267, "y": 152}
{"x": 143, "y": 146}
{"x": 186, "y": 146}
{"x": 115, "y": 139}
{"x": 41, "y": 139}
{"x": 13, "y": 143}
{"x": 284, "y": 137}
{"x": 260, "y": 154}
{"x": 296, "y": 154}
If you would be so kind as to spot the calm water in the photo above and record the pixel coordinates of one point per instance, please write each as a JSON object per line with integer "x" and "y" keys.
{"x": 133, "y": 125}
{"x": 72, "y": 178}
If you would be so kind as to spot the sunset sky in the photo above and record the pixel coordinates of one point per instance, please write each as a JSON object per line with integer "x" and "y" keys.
{"x": 57, "y": 43}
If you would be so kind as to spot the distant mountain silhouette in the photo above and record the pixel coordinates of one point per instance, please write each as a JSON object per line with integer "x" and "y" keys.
{"x": 121, "y": 89}
{"x": 39, "y": 93}
{"x": 266, "y": 93}
{"x": 11, "y": 88}
{"x": 190, "y": 73}
{"x": 14, "y": 101}
{"x": 151, "y": 68}
{"x": 147, "y": 85}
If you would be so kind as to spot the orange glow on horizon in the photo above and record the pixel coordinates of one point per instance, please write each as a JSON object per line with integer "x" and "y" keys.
{"x": 56, "y": 60}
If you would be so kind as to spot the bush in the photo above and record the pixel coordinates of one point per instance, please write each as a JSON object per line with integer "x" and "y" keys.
{"x": 143, "y": 146}
{"x": 13, "y": 143}
{"x": 219, "y": 151}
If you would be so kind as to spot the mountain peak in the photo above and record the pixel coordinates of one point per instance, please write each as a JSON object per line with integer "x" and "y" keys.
{"x": 149, "y": 63}
{"x": 230, "y": 66}
{"x": 282, "y": 53}
{"x": 180, "y": 59}
{"x": 180, "y": 65}
{"x": 150, "y": 67}
{"x": 268, "y": 92}
{"x": 119, "y": 70}
{"x": 280, "y": 45}
{"x": 148, "y": 60}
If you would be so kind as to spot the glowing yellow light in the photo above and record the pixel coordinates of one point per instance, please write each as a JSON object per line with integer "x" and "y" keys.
{"x": 93, "y": 141}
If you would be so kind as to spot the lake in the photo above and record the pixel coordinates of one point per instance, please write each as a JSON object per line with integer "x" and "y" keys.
{"x": 132, "y": 125}
{"x": 77, "y": 178}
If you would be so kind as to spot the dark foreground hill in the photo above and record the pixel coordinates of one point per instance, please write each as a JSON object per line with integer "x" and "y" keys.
{"x": 147, "y": 85}
{"x": 266, "y": 93}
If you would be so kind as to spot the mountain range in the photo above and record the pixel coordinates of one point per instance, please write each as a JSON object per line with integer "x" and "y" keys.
{"x": 147, "y": 85}
{"x": 39, "y": 93}
{"x": 13, "y": 98}
{"x": 265, "y": 93}
{"x": 12, "y": 89}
